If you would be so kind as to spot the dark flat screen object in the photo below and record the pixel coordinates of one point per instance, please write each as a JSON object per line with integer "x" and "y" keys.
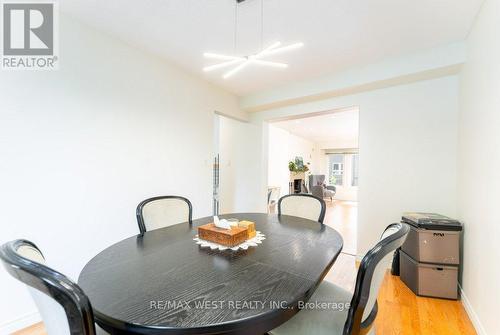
{"x": 431, "y": 221}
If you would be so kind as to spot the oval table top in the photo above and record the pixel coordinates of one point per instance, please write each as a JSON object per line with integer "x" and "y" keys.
{"x": 164, "y": 283}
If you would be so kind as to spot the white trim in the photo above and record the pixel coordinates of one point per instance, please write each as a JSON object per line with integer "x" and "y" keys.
{"x": 472, "y": 314}
{"x": 230, "y": 116}
{"x": 428, "y": 64}
{"x": 20, "y": 323}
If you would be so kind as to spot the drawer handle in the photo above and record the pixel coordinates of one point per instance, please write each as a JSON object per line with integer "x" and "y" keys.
{"x": 439, "y": 269}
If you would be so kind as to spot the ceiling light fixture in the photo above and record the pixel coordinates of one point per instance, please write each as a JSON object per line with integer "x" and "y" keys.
{"x": 243, "y": 61}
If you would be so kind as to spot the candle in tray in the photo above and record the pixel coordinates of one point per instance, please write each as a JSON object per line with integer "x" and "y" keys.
{"x": 250, "y": 226}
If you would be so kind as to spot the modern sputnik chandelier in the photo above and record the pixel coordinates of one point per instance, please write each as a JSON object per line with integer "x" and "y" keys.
{"x": 238, "y": 63}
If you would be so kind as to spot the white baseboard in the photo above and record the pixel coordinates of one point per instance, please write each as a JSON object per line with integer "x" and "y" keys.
{"x": 472, "y": 314}
{"x": 18, "y": 324}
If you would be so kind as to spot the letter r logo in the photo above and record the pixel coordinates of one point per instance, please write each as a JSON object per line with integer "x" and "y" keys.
{"x": 28, "y": 29}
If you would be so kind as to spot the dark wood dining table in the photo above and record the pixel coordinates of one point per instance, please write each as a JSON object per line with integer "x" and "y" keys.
{"x": 164, "y": 283}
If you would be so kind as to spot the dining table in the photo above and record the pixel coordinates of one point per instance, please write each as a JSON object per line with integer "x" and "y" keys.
{"x": 163, "y": 282}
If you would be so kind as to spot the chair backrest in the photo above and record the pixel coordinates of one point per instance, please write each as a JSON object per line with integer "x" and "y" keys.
{"x": 363, "y": 308}
{"x": 316, "y": 179}
{"x": 302, "y": 205}
{"x": 274, "y": 195}
{"x": 64, "y": 307}
{"x": 163, "y": 211}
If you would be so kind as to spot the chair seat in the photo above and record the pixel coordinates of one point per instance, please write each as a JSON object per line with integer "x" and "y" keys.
{"x": 320, "y": 321}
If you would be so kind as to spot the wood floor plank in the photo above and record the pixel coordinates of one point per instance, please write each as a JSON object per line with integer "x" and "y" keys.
{"x": 343, "y": 217}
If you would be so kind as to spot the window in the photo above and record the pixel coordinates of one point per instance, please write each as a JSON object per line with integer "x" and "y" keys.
{"x": 355, "y": 168}
{"x": 336, "y": 169}
{"x": 343, "y": 169}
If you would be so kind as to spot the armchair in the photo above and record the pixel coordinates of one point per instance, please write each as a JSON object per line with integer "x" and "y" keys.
{"x": 319, "y": 188}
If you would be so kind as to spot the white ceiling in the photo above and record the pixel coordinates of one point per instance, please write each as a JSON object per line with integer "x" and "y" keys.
{"x": 338, "y": 34}
{"x": 339, "y": 127}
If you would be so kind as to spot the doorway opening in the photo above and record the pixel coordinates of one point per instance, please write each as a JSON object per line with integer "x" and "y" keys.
{"x": 234, "y": 165}
{"x": 318, "y": 154}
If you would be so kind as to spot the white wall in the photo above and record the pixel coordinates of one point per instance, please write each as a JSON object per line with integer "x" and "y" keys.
{"x": 408, "y": 145}
{"x": 239, "y": 150}
{"x": 479, "y": 166}
{"x": 81, "y": 146}
{"x": 283, "y": 147}
{"x": 278, "y": 173}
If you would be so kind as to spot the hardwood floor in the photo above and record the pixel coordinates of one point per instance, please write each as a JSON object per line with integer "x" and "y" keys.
{"x": 400, "y": 311}
{"x": 343, "y": 217}
{"x": 36, "y": 329}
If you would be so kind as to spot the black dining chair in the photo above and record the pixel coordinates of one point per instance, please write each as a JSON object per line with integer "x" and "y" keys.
{"x": 163, "y": 211}
{"x": 303, "y": 205}
{"x": 64, "y": 307}
{"x": 341, "y": 317}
